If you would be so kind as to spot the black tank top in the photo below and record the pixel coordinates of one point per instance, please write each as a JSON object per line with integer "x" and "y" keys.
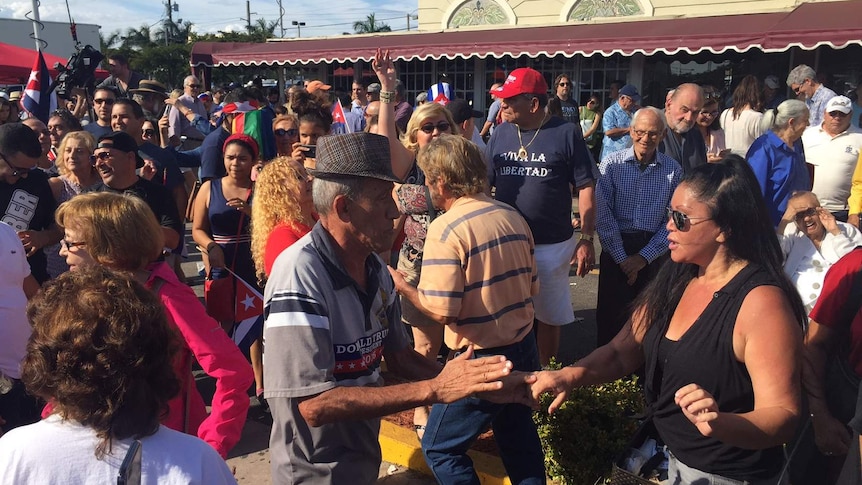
{"x": 704, "y": 356}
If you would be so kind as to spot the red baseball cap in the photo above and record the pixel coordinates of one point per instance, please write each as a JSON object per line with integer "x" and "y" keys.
{"x": 522, "y": 81}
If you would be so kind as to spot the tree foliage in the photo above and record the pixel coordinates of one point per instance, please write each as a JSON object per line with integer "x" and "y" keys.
{"x": 370, "y": 25}
{"x": 163, "y": 53}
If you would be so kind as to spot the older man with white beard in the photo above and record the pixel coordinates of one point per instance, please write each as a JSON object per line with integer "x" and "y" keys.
{"x": 683, "y": 144}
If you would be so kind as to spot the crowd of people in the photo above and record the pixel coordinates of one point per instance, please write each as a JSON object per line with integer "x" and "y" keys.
{"x": 375, "y": 230}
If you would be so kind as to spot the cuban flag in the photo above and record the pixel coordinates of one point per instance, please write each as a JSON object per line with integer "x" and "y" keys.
{"x": 37, "y": 102}
{"x": 249, "y": 314}
{"x": 338, "y": 116}
{"x": 440, "y": 93}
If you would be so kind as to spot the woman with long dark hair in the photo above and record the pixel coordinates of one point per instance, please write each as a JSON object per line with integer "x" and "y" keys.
{"x": 741, "y": 122}
{"x": 719, "y": 334}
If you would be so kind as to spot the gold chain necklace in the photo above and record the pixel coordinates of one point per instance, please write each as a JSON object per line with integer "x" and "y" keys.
{"x": 522, "y": 152}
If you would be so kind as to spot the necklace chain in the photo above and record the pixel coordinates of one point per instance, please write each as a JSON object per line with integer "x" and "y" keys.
{"x": 522, "y": 152}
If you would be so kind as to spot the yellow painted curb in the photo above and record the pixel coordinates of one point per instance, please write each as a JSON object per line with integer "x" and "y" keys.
{"x": 400, "y": 446}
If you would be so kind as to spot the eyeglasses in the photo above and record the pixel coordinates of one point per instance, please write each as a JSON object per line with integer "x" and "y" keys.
{"x": 100, "y": 156}
{"x": 283, "y": 132}
{"x": 107, "y": 101}
{"x": 16, "y": 171}
{"x": 809, "y": 212}
{"x": 681, "y": 221}
{"x": 838, "y": 114}
{"x": 798, "y": 87}
{"x": 441, "y": 127}
{"x": 642, "y": 133}
{"x": 149, "y": 132}
{"x": 195, "y": 86}
{"x": 70, "y": 245}
{"x": 564, "y": 84}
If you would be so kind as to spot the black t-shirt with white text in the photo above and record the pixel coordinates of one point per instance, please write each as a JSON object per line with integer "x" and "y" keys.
{"x": 29, "y": 204}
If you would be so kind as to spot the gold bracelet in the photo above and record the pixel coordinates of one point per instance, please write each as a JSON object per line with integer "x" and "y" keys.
{"x": 387, "y": 96}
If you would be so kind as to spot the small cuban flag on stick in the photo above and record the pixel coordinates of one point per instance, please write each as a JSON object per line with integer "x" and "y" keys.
{"x": 37, "y": 101}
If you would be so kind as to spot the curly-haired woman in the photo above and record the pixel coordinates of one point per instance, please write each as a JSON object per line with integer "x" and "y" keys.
{"x": 102, "y": 352}
{"x": 122, "y": 233}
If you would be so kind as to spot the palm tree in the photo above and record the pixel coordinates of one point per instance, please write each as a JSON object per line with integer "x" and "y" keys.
{"x": 369, "y": 25}
{"x": 137, "y": 39}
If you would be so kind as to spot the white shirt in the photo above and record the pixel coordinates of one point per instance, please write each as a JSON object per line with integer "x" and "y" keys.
{"x": 834, "y": 160}
{"x": 740, "y": 133}
{"x": 14, "y": 327}
{"x": 52, "y": 451}
{"x": 806, "y": 266}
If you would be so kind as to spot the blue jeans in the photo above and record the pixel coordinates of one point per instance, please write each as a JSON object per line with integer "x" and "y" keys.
{"x": 452, "y": 428}
{"x": 678, "y": 473}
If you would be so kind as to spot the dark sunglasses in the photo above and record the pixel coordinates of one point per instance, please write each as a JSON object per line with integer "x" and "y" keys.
{"x": 103, "y": 101}
{"x": 149, "y": 132}
{"x": 100, "y": 156}
{"x": 809, "y": 212}
{"x": 838, "y": 114}
{"x": 69, "y": 245}
{"x": 564, "y": 84}
{"x": 681, "y": 221}
{"x": 290, "y": 132}
{"x": 442, "y": 127}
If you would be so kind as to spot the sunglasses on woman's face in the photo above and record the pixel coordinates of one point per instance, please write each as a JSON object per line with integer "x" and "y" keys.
{"x": 442, "y": 127}
{"x": 283, "y": 132}
{"x": 682, "y": 221}
{"x": 149, "y": 132}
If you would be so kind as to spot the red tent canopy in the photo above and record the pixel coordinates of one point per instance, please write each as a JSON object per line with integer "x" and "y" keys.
{"x": 17, "y": 62}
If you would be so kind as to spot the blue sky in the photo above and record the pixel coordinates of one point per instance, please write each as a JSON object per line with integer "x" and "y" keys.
{"x": 332, "y": 17}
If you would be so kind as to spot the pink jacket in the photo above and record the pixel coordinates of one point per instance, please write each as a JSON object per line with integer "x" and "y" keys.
{"x": 217, "y": 355}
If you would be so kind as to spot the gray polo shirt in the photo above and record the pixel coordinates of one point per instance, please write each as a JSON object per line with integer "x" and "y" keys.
{"x": 321, "y": 331}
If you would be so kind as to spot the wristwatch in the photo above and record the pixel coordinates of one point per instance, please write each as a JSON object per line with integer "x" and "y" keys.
{"x": 586, "y": 237}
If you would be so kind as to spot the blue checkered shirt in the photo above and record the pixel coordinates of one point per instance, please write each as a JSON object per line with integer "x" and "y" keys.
{"x": 630, "y": 200}
{"x": 817, "y": 105}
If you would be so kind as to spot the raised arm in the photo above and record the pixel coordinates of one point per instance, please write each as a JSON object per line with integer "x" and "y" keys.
{"x": 402, "y": 158}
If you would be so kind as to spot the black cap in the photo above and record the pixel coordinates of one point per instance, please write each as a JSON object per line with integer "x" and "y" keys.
{"x": 122, "y": 141}
{"x": 462, "y": 111}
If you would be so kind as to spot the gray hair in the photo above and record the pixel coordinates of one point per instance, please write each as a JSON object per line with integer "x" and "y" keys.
{"x": 190, "y": 79}
{"x": 324, "y": 191}
{"x": 776, "y": 119}
{"x": 422, "y": 97}
{"x": 659, "y": 114}
{"x": 800, "y": 73}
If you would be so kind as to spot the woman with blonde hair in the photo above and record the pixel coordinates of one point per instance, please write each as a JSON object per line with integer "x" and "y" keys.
{"x": 283, "y": 212}
{"x": 122, "y": 233}
{"x": 77, "y": 174}
{"x": 428, "y": 122}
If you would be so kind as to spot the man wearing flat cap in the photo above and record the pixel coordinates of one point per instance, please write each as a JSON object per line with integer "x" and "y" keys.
{"x": 151, "y": 96}
{"x": 332, "y": 314}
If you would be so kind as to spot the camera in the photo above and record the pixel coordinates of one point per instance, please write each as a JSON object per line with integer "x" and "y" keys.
{"x": 79, "y": 72}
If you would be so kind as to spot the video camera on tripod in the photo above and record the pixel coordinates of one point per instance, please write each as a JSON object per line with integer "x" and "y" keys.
{"x": 79, "y": 72}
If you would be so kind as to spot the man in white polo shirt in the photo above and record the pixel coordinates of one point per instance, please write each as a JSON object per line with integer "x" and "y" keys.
{"x": 833, "y": 148}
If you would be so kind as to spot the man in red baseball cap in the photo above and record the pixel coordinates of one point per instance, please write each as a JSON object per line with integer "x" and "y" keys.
{"x": 535, "y": 160}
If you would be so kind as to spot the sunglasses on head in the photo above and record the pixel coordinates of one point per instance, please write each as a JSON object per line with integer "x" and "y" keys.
{"x": 282, "y": 132}
{"x": 442, "y": 127}
{"x": 682, "y": 221}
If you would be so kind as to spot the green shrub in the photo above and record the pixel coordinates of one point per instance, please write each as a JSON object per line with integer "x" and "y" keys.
{"x": 582, "y": 439}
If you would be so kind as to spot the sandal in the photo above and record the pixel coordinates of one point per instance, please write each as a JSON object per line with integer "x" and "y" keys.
{"x": 420, "y": 431}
